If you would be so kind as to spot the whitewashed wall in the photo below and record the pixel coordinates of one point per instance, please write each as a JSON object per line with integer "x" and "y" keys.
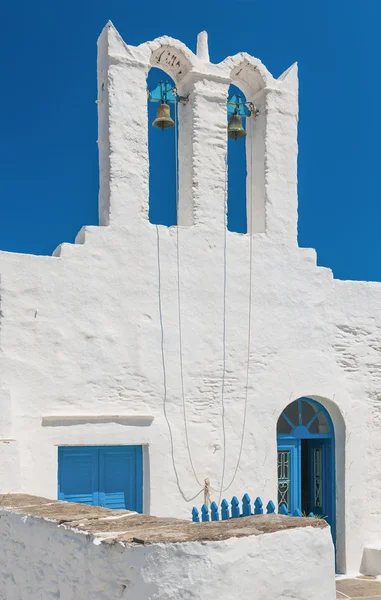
{"x": 82, "y": 332}
{"x": 42, "y": 560}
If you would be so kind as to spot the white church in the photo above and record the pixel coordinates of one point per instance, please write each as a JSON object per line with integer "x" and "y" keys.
{"x": 149, "y": 367}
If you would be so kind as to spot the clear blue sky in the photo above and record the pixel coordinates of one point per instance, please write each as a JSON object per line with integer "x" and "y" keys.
{"x": 49, "y": 171}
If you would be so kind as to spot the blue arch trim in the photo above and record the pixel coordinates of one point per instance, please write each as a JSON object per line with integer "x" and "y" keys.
{"x": 300, "y": 431}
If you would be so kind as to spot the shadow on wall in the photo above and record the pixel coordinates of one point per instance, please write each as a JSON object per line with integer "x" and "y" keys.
{"x": 64, "y": 420}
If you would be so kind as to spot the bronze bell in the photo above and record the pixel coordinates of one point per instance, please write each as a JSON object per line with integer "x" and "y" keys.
{"x": 163, "y": 118}
{"x": 235, "y": 128}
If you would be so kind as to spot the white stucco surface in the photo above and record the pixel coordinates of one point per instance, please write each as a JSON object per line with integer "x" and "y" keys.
{"x": 85, "y": 334}
{"x": 40, "y": 559}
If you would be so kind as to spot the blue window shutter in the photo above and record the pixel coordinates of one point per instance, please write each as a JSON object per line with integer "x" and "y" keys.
{"x": 120, "y": 477}
{"x": 78, "y": 474}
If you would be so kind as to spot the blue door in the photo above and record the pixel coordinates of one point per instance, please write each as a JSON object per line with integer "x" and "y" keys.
{"x": 306, "y": 460}
{"x": 289, "y": 491}
{"x": 109, "y": 476}
{"x": 320, "y": 478}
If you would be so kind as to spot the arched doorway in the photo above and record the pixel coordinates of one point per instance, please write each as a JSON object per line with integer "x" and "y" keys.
{"x": 306, "y": 460}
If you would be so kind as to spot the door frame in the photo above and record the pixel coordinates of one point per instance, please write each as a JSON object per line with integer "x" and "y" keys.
{"x": 300, "y": 432}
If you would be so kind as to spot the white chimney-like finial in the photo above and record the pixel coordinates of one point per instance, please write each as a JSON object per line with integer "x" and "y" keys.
{"x": 202, "y": 46}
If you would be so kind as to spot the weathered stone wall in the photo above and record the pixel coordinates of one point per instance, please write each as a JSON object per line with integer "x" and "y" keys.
{"x": 95, "y": 554}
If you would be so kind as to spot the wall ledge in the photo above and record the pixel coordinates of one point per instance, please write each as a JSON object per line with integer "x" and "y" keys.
{"x": 120, "y": 419}
{"x": 128, "y": 527}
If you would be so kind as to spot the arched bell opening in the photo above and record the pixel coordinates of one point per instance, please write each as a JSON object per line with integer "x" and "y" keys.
{"x": 162, "y": 148}
{"x": 251, "y": 79}
{"x": 306, "y": 460}
{"x": 238, "y": 114}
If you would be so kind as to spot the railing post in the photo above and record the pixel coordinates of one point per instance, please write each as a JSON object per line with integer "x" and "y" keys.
{"x": 246, "y": 506}
{"x": 195, "y": 515}
{"x": 204, "y": 513}
{"x": 258, "y": 506}
{"x": 225, "y": 513}
{"x": 235, "y": 507}
{"x": 214, "y": 511}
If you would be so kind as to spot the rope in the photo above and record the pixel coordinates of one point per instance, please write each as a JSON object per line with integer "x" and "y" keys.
{"x": 251, "y": 121}
{"x": 207, "y": 499}
{"x": 206, "y": 487}
{"x": 165, "y": 375}
{"x": 224, "y": 330}
{"x": 179, "y": 305}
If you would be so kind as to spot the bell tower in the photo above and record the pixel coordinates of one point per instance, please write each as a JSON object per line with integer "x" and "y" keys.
{"x": 271, "y": 140}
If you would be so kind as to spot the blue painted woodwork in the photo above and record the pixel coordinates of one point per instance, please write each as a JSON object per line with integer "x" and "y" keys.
{"x": 164, "y": 92}
{"x": 295, "y": 425}
{"x": 225, "y": 512}
{"x": 236, "y": 513}
{"x": 323, "y": 507}
{"x": 120, "y": 469}
{"x": 195, "y": 515}
{"x": 235, "y": 507}
{"x": 109, "y": 476}
{"x": 78, "y": 475}
{"x": 214, "y": 511}
{"x": 237, "y": 105}
{"x": 293, "y": 448}
{"x": 246, "y": 506}
{"x": 204, "y": 513}
{"x": 299, "y": 430}
{"x": 258, "y": 506}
